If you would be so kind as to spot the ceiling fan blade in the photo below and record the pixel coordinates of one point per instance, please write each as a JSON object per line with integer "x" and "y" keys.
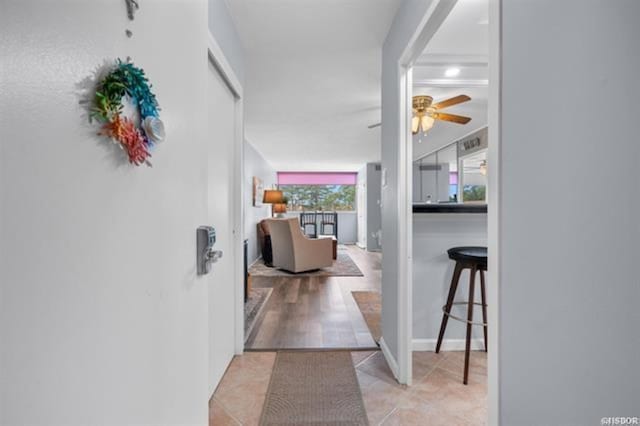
{"x": 373, "y": 126}
{"x": 452, "y": 101}
{"x": 451, "y": 117}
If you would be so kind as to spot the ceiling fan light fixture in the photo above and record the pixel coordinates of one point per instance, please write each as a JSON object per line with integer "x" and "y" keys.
{"x": 427, "y": 123}
{"x": 425, "y": 112}
{"x": 483, "y": 168}
{"x": 415, "y": 124}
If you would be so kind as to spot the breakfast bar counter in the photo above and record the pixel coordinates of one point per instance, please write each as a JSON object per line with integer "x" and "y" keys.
{"x": 437, "y": 228}
{"x": 449, "y": 208}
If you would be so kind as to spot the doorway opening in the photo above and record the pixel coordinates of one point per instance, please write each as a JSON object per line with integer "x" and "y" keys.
{"x": 317, "y": 284}
{"x": 445, "y": 184}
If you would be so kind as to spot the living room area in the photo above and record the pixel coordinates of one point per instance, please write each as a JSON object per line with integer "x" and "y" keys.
{"x": 313, "y": 259}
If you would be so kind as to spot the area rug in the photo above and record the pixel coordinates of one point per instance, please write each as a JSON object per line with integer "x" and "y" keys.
{"x": 314, "y": 388}
{"x": 256, "y": 301}
{"x": 343, "y": 266}
{"x": 370, "y": 305}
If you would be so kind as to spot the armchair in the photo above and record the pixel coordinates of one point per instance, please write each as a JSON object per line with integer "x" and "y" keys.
{"x": 293, "y": 251}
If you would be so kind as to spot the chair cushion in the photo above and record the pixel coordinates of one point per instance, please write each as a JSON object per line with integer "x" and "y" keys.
{"x": 468, "y": 254}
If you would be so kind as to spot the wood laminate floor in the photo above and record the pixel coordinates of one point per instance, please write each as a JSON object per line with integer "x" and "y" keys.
{"x": 316, "y": 312}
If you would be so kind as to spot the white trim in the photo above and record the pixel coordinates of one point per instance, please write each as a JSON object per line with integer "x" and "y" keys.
{"x": 391, "y": 361}
{"x": 219, "y": 60}
{"x": 405, "y": 231}
{"x": 445, "y": 60}
{"x": 494, "y": 189}
{"x": 238, "y": 222}
{"x": 429, "y": 345}
{"x": 223, "y": 66}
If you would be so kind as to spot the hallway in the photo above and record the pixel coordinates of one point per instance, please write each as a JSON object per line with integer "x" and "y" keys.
{"x": 437, "y": 396}
{"x": 317, "y": 312}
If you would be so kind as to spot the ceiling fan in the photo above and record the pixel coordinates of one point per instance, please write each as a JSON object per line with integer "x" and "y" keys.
{"x": 425, "y": 112}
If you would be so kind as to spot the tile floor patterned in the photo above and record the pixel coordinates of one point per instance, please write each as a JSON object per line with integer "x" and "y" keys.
{"x": 436, "y": 398}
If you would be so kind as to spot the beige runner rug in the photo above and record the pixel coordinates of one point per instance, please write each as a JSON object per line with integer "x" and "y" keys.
{"x": 314, "y": 388}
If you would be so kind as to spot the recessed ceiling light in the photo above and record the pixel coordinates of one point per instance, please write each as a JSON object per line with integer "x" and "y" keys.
{"x": 452, "y": 72}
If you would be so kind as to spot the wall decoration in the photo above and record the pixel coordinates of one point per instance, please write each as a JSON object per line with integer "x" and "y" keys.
{"x": 258, "y": 191}
{"x": 128, "y": 110}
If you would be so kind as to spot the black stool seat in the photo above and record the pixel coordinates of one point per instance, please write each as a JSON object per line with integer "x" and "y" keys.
{"x": 474, "y": 259}
{"x": 470, "y": 254}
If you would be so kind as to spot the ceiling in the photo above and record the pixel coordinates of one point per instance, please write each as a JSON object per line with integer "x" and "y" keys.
{"x": 313, "y": 80}
{"x": 461, "y": 42}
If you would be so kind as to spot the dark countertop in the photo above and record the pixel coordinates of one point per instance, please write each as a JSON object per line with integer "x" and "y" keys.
{"x": 449, "y": 208}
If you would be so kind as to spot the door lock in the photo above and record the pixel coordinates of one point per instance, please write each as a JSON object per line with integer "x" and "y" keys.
{"x": 205, "y": 254}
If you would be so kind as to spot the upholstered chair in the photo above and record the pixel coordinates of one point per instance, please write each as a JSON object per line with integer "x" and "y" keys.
{"x": 293, "y": 251}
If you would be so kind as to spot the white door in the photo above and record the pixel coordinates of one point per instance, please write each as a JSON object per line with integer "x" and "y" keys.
{"x": 220, "y": 281}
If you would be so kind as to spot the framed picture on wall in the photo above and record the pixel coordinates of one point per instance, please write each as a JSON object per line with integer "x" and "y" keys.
{"x": 258, "y": 191}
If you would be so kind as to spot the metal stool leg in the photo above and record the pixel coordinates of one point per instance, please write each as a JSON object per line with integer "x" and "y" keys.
{"x": 472, "y": 284}
{"x": 484, "y": 309}
{"x": 452, "y": 293}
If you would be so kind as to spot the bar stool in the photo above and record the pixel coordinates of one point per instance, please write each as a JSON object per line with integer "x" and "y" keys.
{"x": 474, "y": 259}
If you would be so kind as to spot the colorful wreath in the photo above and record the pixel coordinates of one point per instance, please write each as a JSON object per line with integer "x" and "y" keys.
{"x": 135, "y": 134}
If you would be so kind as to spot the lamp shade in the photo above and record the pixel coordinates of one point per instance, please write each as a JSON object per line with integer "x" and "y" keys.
{"x": 427, "y": 123}
{"x": 272, "y": 196}
{"x": 280, "y": 208}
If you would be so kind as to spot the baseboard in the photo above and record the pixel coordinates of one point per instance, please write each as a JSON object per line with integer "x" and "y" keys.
{"x": 429, "y": 345}
{"x": 393, "y": 364}
{"x": 254, "y": 262}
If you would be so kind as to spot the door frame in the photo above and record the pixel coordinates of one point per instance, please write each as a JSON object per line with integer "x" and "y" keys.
{"x": 431, "y": 21}
{"x": 222, "y": 65}
{"x": 433, "y": 18}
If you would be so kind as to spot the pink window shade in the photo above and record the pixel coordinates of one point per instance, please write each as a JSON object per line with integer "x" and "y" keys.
{"x": 453, "y": 178}
{"x": 317, "y": 178}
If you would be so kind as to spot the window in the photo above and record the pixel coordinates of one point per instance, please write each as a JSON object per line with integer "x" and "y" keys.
{"x": 319, "y": 197}
{"x": 318, "y": 191}
{"x": 475, "y": 193}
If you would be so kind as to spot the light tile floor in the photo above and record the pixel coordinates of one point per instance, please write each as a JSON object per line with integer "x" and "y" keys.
{"x": 437, "y": 396}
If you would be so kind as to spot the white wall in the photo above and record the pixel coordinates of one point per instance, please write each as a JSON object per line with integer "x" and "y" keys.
{"x": 103, "y": 319}
{"x": 347, "y": 227}
{"x": 569, "y": 282}
{"x": 255, "y": 165}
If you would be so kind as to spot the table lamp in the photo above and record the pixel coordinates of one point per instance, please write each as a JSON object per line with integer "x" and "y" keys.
{"x": 272, "y": 196}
